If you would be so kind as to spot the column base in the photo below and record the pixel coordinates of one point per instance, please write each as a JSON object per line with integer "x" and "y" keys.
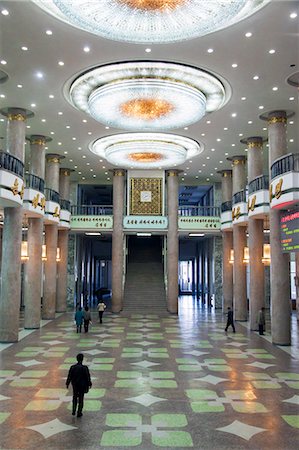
{"x": 282, "y": 345}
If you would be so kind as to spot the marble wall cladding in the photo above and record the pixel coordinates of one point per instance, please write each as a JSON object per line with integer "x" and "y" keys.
{"x": 218, "y": 252}
{"x": 217, "y": 194}
{"x": 267, "y": 286}
{"x": 71, "y": 272}
{"x": 73, "y": 193}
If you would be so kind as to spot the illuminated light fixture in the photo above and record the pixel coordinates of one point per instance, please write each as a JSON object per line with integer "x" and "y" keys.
{"x": 24, "y": 251}
{"x": 144, "y": 234}
{"x": 266, "y": 259}
{"x": 147, "y": 95}
{"x": 246, "y": 255}
{"x": 196, "y": 234}
{"x": 151, "y": 21}
{"x": 231, "y": 256}
{"x": 44, "y": 252}
{"x": 58, "y": 256}
{"x": 93, "y": 233}
{"x": 146, "y": 150}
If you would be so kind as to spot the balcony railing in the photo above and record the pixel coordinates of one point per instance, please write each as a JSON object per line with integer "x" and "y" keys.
{"x": 12, "y": 164}
{"x": 239, "y": 197}
{"x": 288, "y": 163}
{"x": 92, "y": 210}
{"x": 35, "y": 182}
{"x": 186, "y": 210}
{"x": 65, "y": 204}
{"x": 51, "y": 195}
{"x": 226, "y": 206}
{"x": 258, "y": 184}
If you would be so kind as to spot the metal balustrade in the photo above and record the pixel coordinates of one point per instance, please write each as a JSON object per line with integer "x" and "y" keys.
{"x": 92, "y": 210}
{"x": 65, "y": 204}
{"x": 239, "y": 197}
{"x": 187, "y": 210}
{"x": 226, "y": 206}
{"x": 258, "y": 184}
{"x": 288, "y": 163}
{"x": 35, "y": 182}
{"x": 12, "y": 164}
{"x": 52, "y": 195}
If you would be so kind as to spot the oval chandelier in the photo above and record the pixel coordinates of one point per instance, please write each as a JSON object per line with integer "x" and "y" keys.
{"x": 147, "y": 95}
{"x": 146, "y": 150}
{"x": 151, "y": 21}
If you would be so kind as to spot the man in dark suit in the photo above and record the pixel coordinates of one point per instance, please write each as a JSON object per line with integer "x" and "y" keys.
{"x": 230, "y": 320}
{"x": 79, "y": 376}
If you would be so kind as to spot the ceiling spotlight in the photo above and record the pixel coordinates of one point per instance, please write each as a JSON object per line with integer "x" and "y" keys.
{"x": 234, "y": 114}
{"x": 60, "y": 63}
{"x": 49, "y": 32}
{"x": 39, "y": 75}
{"x": 210, "y": 50}
{"x": 4, "y": 12}
{"x": 275, "y": 88}
{"x": 3, "y": 62}
{"x": 256, "y": 77}
{"x": 248, "y": 35}
{"x": 293, "y": 15}
{"x": 86, "y": 49}
{"x": 24, "y": 48}
{"x": 234, "y": 65}
{"x": 148, "y": 50}
{"x": 272, "y": 51}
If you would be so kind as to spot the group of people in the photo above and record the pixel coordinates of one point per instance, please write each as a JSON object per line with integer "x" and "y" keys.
{"x": 261, "y": 320}
{"x": 83, "y": 317}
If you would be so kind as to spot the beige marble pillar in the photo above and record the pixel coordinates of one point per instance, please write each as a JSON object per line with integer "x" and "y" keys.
{"x": 256, "y": 235}
{"x": 279, "y": 269}
{"x": 297, "y": 283}
{"x": 12, "y": 235}
{"x": 227, "y": 241}
{"x": 118, "y": 240}
{"x": 239, "y": 242}
{"x": 34, "y": 266}
{"x": 172, "y": 241}
{"x": 51, "y": 240}
{"x": 63, "y": 237}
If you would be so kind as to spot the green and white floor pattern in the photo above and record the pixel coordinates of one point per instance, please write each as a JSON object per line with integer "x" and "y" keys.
{"x": 158, "y": 382}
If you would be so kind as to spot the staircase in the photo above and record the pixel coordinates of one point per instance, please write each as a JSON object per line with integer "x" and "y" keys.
{"x": 144, "y": 286}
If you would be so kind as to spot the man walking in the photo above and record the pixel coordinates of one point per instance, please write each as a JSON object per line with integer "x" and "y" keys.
{"x": 101, "y": 309}
{"x": 79, "y": 376}
{"x": 230, "y": 319}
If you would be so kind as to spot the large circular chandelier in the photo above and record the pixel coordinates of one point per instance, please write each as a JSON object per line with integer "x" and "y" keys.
{"x": 147, "y": 95}
{"x": 151, "y": 21}
{"x": 146, "y": 150}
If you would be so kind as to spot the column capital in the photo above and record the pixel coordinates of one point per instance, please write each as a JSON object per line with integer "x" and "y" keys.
{"x": 65, "y": 171}
{"x": 173, "y": 173}
{"x": 119, "y": 172}
{"x": 254, "y": 141}
{"x": 238, "y": 159}
{"x": 225, "y": 173}
{"x": 277, "y": 116}
{"x": 19, "y": 114}
{"x": 54, "y": 158}
{"x": 38, "y": 139}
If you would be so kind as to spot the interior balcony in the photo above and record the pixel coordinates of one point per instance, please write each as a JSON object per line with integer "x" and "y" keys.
{"x": 258, "y": 197}
{"x": 239, "y": 208}
{"x": 52, "y": 210}
{"x": 284, "y": 186}
{"x": 11, "y": 180}
{"x": 34, "y": 202}
{"x": 226, "y": 216}
{"x": 65, "y": 215}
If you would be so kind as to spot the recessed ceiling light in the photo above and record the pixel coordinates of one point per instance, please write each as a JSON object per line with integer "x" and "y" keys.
{"x": 218, "y": 140}
{"x": 234, "y": 114}
{"x": 71, "y": 160}
{"x": 4, "y": 12}
{"x": 186, "y": 128}
{"x": 88, "y": 164}
{"x": 39, "y": 74}
{"x": 51, "y": 96}
{"x": 215, "y": 168}
{"x": 203, "y": 134}
{"x": 208, "y": 179}
{"x": 86, "y": 49}
{"x": 250, "y": 122}
{"x": 233, "y": 145}
{"x": 106, "y": 173}
{"x": 264, "y": 129}
{"x": 275, "y": 88}
{"x": 19, "y": 86}
{"x": 225, "y": 128}
{"x": 292, "y": 98}
{"x": 101, "y": 160}
{"x": 94, "y": 176}
{"x": 272, "y": 51}
{"x": 108, "y": 179}
{"x": 2, "y": 96}
{"x": 208, "y": 157}
{"x": 148, "y": 50}
{"x": 212, "y": 149}
{"x": 104, "y": 167}
{"x": 84, "y": 121}
{"x": 256, "y": 77}
{"x": 210, "y": 50}
{"x": 199, "y": 171}
{"x": 67, "y": 126}
{"x": 208, "y": 122}
{"x": 24, "y": 48}
{"x": 52, "y": 132}
{"x": 261, "y": 107}
{"x": 234, "y": 65}
{"x": 33, "y": 105}
{"x": 1, "y": 120}
{"x": 291, "y": 140}
{"x": 196, "y": 176}
{"x": 226, "y": 154}
{"x": 203, "y": 165}
{"x": 91, "y": 170}
{"x": 74, "y": 139}
{"x": 243, "y": 98}
{"x": 83, "y": 156}
{"x": 83, "y": 178}
{"x": 291, "y": 122}
{"x": 3, "y": 62}
{"x": 293, "y": 15}
{"x": 43, "y": 120}
{"x": 60, "y": 113}
{"x": 107, "y": 128}
{"x": 220, "y": 162}
{"x": 248, "y": 34}
{"x": 75, "y": 167}
{"x": 59, "y": 143}
{"x": 28, "y": 126}
{"x": 49, "y": 32}
{"x": 246, "y": 150}
{"x": 79, "y": 173}
{"x": 241, "y": 134}
{"x": 65, "y": 153}
{"x": 60, "y": 63}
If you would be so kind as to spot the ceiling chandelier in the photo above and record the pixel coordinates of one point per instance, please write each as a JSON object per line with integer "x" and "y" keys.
{"x": 147, "y": 95}
{"x": 151, "y": 21}
{"x": 146, "y": 150}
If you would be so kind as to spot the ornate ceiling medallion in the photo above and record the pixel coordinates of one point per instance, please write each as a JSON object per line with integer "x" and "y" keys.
{"x": 151, "y": 21}
{"x": 147, "y": 95}
{"x": 146, "y": 150}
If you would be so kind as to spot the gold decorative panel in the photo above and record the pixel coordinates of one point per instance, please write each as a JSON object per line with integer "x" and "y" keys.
{"x": 146, "y": 196}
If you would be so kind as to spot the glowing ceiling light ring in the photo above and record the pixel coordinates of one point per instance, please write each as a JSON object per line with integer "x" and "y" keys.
{"x": 149, "y": 21}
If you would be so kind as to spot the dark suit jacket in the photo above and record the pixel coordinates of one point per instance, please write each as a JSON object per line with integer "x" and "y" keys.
{"x": 79, "y": 376}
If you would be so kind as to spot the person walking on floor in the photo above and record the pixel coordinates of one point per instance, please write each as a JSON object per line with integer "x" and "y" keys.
{"x": 230, "y": 319}
{"x": 79, "y": 376}
{"x": 261, "y": 320}
{"x": 101, "y": 309}
{"x": 87, "y": 318}
{"x": 79, "y": 319}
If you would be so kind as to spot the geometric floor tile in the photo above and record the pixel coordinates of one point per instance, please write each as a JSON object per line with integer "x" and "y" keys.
{"x": 260, "y": 365}
{"x": 31, "y": 362}
{"x": 241, "y": 429}
{"x": 292, "y": 420}
{"x": 51, "y": 428}
{"x": 146, "y": 399}
{"x": 211, "y": 379}
{"x": 4, "y": 416}
{"x": 294, "y": 400}
{"x": 2, "y": 397}
{"x": 145, "y": 364}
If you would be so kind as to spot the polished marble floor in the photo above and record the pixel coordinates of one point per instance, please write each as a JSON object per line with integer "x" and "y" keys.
{"x": 158, "y": 382}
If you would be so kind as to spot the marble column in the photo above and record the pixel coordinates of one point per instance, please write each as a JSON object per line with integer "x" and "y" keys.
{"x": 297, "y": 283}
{"x": 118, "y": 240}
{"x": 227, "y": 242}
{"x": 239, "y": 242}
{"x": 279, "y": 269}
{"x": 12, "y": 234}
{"x": 256, "y": 235}
{"x": 33, "y": 272}
{"x": 51, "y": 240}
{"x": 172, "y": 241}
{"x": 63, "y": 236}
